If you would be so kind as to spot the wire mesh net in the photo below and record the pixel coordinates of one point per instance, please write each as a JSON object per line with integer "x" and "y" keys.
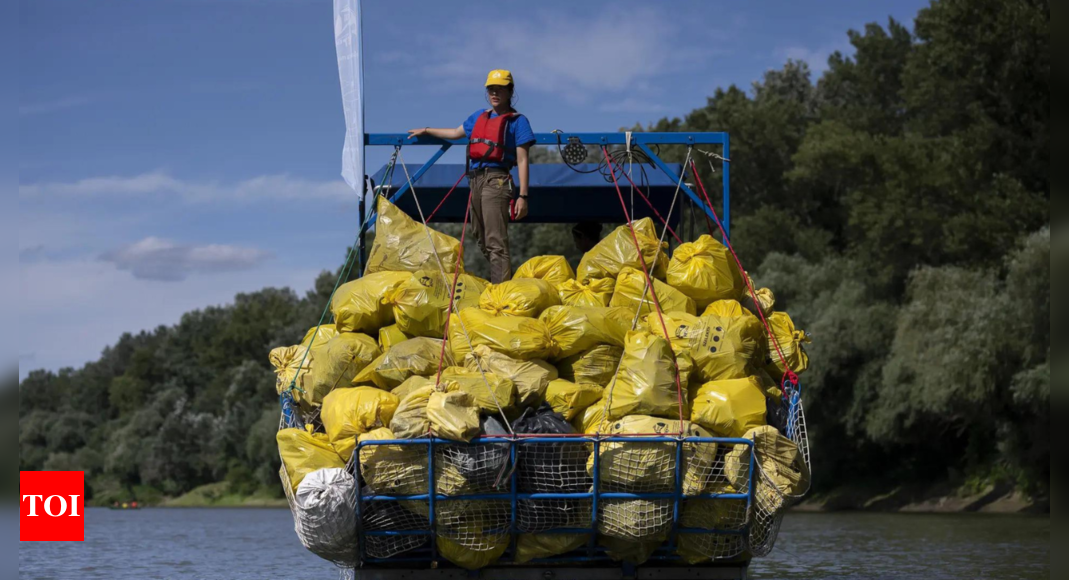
{"x": 773, "y": 492}
{"x": 477, "y": 525}
{"x": 635, "y": 519}
{"x": 325, "y": 522}
{"x": 393, "y": 517}
{"x": 646, "y": 467}
{"x": 394, "y": 469}
{"x": 461, "y": 468}
{"x": 552, "y": 468}
{"x": 713, "y": 528}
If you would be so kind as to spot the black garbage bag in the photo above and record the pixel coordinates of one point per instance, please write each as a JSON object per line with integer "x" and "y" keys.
{"x": 474, "y": 466}
{"x": 776, "y": 414}
{"x": 550, "y": 468}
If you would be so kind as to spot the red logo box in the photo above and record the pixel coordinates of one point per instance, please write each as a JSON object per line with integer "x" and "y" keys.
{"x": 52, "y": 506}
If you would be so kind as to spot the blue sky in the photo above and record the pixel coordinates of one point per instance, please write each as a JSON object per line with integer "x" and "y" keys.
{"x": 174, "y": 153}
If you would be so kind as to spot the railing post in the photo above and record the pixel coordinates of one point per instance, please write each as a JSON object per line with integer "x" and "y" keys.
{"x": 726, "y": 180}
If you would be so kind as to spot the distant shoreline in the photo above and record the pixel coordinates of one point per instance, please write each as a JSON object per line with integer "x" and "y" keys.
{"x": 939, "y": 499}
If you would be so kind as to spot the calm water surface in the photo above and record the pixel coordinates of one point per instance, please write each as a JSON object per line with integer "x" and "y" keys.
{"x": 258, "y": 544}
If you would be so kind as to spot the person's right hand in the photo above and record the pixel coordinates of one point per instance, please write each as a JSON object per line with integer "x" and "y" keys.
{"x": 413, "y": 133}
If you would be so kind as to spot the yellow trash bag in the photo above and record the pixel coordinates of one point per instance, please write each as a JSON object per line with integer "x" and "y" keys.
{"x": 650, "y": 467}
{"x": 393, "y": 469}
{"x": 516, "y": 336}
{"x": 577, "y": 329}
{"x": 712, "y": 514}
{"x": 531, "y": 546}
{"x": 415, "y": 356}
{"x": 781, "y": 469}
{"x": 552, "y": 269}
{"x": 790, "y": 342}
{"x": 730, "y": 408}
{"x": 455, "y": 417}
{"x": 411, "y": 385}
{"x": 631, "y": 287}
{"x": 421, "y": 304}
{"x": 489, "y": 389}
{"x": 531, "y": 377}
{"x": 355, "y": 411}
{"x": 594, "y": 367}
{"x": 520, "y": 297}
{"x": 357, "y": 305}
{"x": 616, "y": 251}
{"x": 726, "y": 309}
{"x": 705, "y": 270}
{"x": 590, "y": 420}
{"x": 720, "y": 348}
{"x": 289, "y": 363}
{"x": 344, "y": 448}
{"x": 389, "y": 336}
{"x": 570, "y": 399}
{"x": 590, "y": 292}
{"x": 410, "y": 419}
{"x": 303, "y": 452}
{"x": 647, "y": 384}
{"x": 766, "y": 301}
{"x": 401, "y": 244}
{"x": 453, "y": 414}
{"x": 635, "y": 520}
{"x": 326, "y": 332}
{"x": 340, "y": 359}
{"x": 468, "y": 558}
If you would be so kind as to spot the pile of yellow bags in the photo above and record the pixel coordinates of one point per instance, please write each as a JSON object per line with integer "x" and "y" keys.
{"x": 397, "y": 363}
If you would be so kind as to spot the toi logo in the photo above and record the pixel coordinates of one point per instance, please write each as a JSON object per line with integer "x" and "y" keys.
{"x": 53, "y": 506}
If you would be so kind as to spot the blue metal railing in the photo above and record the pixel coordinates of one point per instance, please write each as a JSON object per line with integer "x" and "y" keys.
{"x": 590, "y": 552}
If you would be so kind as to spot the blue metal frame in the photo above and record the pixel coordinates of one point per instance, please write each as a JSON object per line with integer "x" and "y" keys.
{"x": 591, "y": 552}
{"x": 642, "y": 140}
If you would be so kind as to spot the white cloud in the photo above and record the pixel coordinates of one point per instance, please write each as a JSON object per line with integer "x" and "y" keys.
{"x": 70, "y": 310}
{"x": 60, "y": 104}
{"x": 31, "y": 253}
{"x": 816, "y": 58}
{"x": 156, "y": 259}
{"x": 161, "y": 183}
{"x": 569, "y": 55}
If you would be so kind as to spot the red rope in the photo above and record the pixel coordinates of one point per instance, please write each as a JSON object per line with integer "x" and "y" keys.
{"x": 708, "y": 222}
{"x": 649, "y": 281}
{"x": 788, "y": 375}
{"x": 647, "y": 200}
{"x": 450, "y": 192}
{"x": 453, "y": 291}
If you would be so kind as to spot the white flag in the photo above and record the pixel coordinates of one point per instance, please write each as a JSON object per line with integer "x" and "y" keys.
{"x": 351, "y": 74}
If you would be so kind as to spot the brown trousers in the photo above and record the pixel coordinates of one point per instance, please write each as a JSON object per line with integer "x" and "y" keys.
{"x": 491, "y": 192}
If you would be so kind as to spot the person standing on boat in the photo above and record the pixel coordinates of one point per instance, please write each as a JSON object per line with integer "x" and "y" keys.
{"x": 499, "y": 138}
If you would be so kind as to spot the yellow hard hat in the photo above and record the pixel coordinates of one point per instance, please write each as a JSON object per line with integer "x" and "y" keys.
{"x": 499, "y": 77}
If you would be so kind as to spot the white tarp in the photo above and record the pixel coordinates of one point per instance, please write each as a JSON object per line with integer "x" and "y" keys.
{"x": 351, "y": 74}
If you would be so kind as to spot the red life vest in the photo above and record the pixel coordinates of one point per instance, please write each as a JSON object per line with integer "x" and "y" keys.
{"x": 487, "y": 143}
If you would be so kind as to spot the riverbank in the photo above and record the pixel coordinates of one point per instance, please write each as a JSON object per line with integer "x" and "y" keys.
{"x": 935, "y": 499}
{"x": 220, "y": 495}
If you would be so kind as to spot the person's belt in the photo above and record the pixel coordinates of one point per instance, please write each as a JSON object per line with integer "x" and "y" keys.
{"x": 488, "y": 170}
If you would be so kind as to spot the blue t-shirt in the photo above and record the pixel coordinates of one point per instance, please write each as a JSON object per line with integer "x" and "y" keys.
{"x": 519, "y": 133}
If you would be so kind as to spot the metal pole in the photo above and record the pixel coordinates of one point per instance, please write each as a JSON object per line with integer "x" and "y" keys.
{"x": 726, "y": 179}
{"x": 361, "y": 254}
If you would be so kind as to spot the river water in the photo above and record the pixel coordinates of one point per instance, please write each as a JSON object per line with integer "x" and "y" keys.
{"x": 257, "y": 544}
